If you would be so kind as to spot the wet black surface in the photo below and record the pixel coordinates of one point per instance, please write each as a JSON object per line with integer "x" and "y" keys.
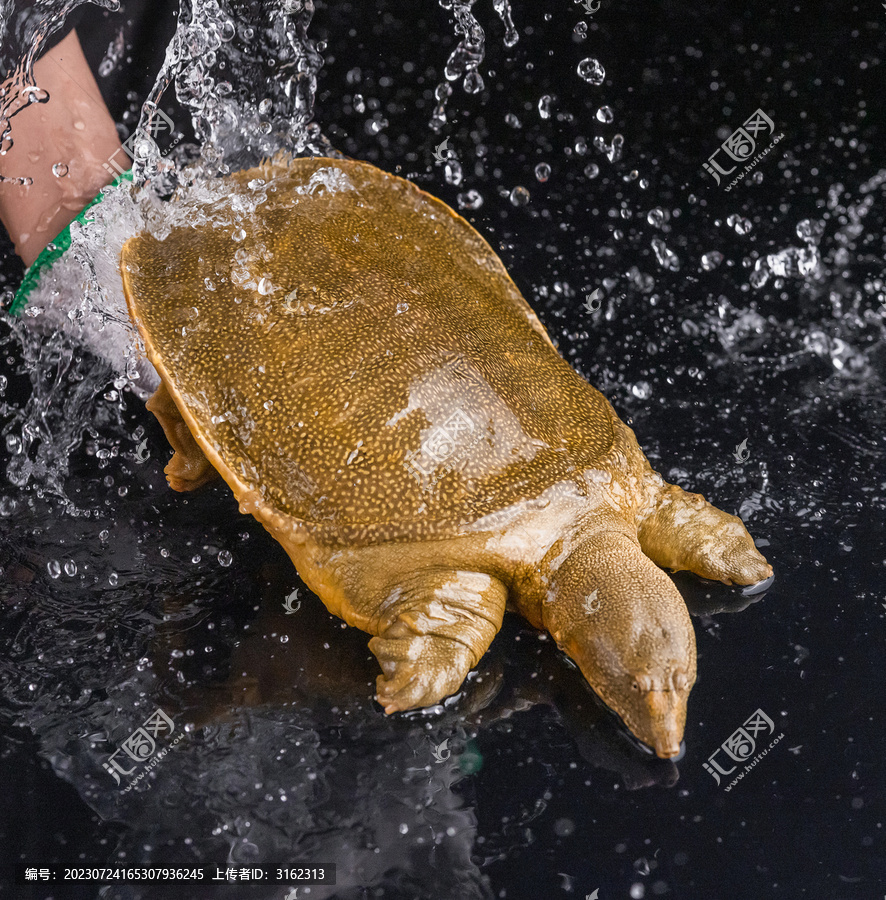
{"x": 544, "y": 793}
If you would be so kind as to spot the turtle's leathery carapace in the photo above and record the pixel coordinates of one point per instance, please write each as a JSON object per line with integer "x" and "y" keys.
{"x": 353, "y": 359}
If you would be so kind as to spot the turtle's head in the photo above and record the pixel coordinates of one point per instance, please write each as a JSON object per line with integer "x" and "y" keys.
{"x": 622, "y": 620}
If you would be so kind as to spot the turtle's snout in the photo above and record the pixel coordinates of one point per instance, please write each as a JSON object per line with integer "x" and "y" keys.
{"x": 667, "y": 719}
{"x": 658, "y": 716}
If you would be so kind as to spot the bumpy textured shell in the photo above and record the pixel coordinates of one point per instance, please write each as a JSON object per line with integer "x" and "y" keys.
{"x": 357, "y": 356}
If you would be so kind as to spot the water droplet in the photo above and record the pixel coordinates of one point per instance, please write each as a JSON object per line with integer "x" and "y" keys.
{"x": 268, "y": 404}
{"x": 591, "y": 71}
{"x": 473, "y": 83}
{"x": 544, "y": 106}
{"x": 739, "y": 224}
{"x": 402, "y": 307}
{"x": 667, "y": 258}
{"x": 604, "y": 114}
{"x": 59, "y": 170}
{"x": 613, "y": 152}
{"x": 7, "y": 506}
{"x": 164, "y": 552}
{"x": 70, "y": 568}
{"x": 657, "y": 216}
{"x": 264, "y": 108}
{"x": 503, "y": 9}
{"x": 113, "y": 579}
{"x": 452, "y": 172}
{"x": 711, "y": 260}
{"x": 642, "y": 390}
{"x": 469, "y": 200}
{"x": 512, "y": 120}
{"x": 519, "y": 196}
{"x": 359, "y": 103}
{"x": 239, "y": 234}
{"x": 54, "y": 568}
{"x": 810, "y": 230}
{"x": 592, "y": 170}
{"x": 195, "y": 558}
{"x": 564, "y": 827}
{"x": 209, "y": 285}
{"x": 581, "y": 30}
{"x": 225, "y": 558}
{"x": 542, "y": 172}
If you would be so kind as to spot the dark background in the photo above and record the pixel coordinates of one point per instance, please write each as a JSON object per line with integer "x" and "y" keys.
{"x": 808, "y": 821}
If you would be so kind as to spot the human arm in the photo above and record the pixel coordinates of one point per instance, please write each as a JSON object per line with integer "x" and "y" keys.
{"x": 73, "y": 129}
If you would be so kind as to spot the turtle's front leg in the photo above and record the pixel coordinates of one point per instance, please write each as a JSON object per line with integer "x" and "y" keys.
{"x": 683, "y": 531}
{"x": 189, "y": 468}
{"x": 433, "y": 628}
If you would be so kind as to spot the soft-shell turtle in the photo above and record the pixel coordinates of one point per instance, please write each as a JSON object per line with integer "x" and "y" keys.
{"x": 353, "y": 359}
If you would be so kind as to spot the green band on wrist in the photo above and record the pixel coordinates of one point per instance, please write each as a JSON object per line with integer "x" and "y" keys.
{"x": 59, "y": 245}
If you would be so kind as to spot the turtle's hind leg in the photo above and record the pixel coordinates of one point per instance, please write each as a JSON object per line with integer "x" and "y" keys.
{"x": 189, "y": 468}
{"x": 434, "y": 628}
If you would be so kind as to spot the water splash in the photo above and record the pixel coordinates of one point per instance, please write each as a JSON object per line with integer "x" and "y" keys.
{"x": 465, "y": 60}
{"x": 276, "y": 80}
{"x": 267, "y": 52}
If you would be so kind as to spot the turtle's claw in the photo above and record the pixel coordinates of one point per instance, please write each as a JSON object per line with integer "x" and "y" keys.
{"x": 418, "y": 671}
{"x": 759, "y": 586}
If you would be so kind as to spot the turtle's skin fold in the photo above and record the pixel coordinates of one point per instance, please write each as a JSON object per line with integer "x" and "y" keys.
{"x": 353, "y": 359}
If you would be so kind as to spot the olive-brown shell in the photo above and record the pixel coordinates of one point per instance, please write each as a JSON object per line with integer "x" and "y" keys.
{"x": 356, "y": 353}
